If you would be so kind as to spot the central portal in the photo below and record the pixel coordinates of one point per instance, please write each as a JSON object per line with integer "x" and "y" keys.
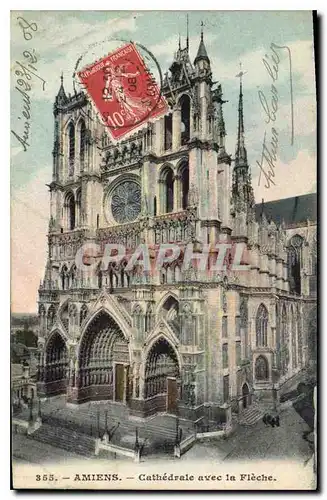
{"x": 161, "y": 378}
{"x": 103, "y": 362}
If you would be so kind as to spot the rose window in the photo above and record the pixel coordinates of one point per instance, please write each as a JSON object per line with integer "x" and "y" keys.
{"x": 126, "y": 202}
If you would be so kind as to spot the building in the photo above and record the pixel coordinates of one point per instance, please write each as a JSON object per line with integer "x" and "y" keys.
{"x": 189, "y": 341}
{"x": 23, "y": 383}
{"x": 23, "y": 322}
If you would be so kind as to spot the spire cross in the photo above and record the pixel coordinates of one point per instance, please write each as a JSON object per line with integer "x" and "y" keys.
{"x": 62, "y": 78}
{"x": 202, "y": 31}
{"x": 241, "y": 74}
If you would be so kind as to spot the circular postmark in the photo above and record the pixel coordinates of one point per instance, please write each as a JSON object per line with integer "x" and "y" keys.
{"x": 122, "y": 86}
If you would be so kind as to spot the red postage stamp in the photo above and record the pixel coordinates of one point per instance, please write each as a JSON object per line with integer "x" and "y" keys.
{"x": 123, "y": 91}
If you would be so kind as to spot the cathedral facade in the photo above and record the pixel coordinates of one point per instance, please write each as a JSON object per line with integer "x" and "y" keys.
{"x": 190, "y": 342}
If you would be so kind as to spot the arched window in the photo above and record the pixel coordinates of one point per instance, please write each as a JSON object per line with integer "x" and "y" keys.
{"x": 185, "y": 104}
{"x": 261, "y": 326}
{"x": 71, "y": 148}
{"x": 64, "y": 278}
{"x": 261, "y": 368}
{"x": 138, "y": 317}
{"x": 294, "y": 258}
{"x": 169, "y": 191}
{"x": 155, "y": 206}
{"x": 78, "y": 208}
{"x": 168, "y": 131}
{"x": 82, "y": 144}
{"x": 70, "y": 211}
{"x": 73, "y": 273}
{"x": 183, "y": 185}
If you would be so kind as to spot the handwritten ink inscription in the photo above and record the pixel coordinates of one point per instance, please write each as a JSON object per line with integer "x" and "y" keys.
{"x": 270, "y": 106}
{"x": 26, "y": 71}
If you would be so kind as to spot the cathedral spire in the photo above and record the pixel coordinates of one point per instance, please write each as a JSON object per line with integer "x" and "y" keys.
{"x": 242, "y": 191}
{"x": 61, "y": 97}
{"x": 240, "y": 155}
{"x": 202, "y": 51}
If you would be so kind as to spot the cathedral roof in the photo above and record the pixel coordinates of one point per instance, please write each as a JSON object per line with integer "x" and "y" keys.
{"x": 295, "y": 210}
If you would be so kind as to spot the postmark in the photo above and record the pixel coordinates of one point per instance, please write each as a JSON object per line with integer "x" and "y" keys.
{"x": 123, "y": 90}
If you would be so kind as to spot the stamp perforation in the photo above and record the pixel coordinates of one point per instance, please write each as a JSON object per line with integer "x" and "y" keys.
{"x": 118, "y": 96}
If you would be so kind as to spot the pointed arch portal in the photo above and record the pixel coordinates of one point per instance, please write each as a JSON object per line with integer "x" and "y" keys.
{"x": 103, "y": 361}
{"x": 161, "y": 377}
{"x": 56, "y": 365}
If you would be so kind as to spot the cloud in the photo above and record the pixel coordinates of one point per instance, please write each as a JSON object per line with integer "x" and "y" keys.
{"x": 303, "y": 62}
{"x": 295, "y": 178}
{"x": 60, "y": 31}
{"x": 304, "y": 116}
{"x": 256, "y": 73}
{"x": 29, "y": 224}
{"x": 62, "y": 43}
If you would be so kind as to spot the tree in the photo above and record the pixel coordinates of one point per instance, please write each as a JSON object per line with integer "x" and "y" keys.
{"x": 26, "y": 337}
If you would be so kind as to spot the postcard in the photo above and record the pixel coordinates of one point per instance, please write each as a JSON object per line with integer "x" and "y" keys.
{"x": 164, "y": 250}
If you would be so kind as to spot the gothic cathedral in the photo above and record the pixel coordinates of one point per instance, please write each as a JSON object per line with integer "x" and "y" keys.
{"x": 193, "y": 342}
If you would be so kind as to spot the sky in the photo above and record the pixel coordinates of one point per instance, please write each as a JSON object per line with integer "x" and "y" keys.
{"x": 60, "y": 37}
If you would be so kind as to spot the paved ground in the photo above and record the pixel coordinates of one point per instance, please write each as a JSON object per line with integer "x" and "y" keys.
{"x": 259, "y": 442}
{"x": 292, "y": 441}
{"x": 25, "y": 450}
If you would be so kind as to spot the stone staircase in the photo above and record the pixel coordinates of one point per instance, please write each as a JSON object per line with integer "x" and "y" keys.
{"x": 66, "y": 439}
{"x": 75, "y": 429}
{"x": 250, "y": 415}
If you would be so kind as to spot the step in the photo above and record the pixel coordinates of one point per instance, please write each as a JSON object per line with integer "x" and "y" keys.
{"x": 251, "y": 415}
{"x": 125, "y": 426}
{"x": 64, "y": 439}
{"x": 61, "y": 423}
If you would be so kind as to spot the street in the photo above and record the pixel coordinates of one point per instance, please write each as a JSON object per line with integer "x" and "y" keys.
{"x": 259, "y": 442}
